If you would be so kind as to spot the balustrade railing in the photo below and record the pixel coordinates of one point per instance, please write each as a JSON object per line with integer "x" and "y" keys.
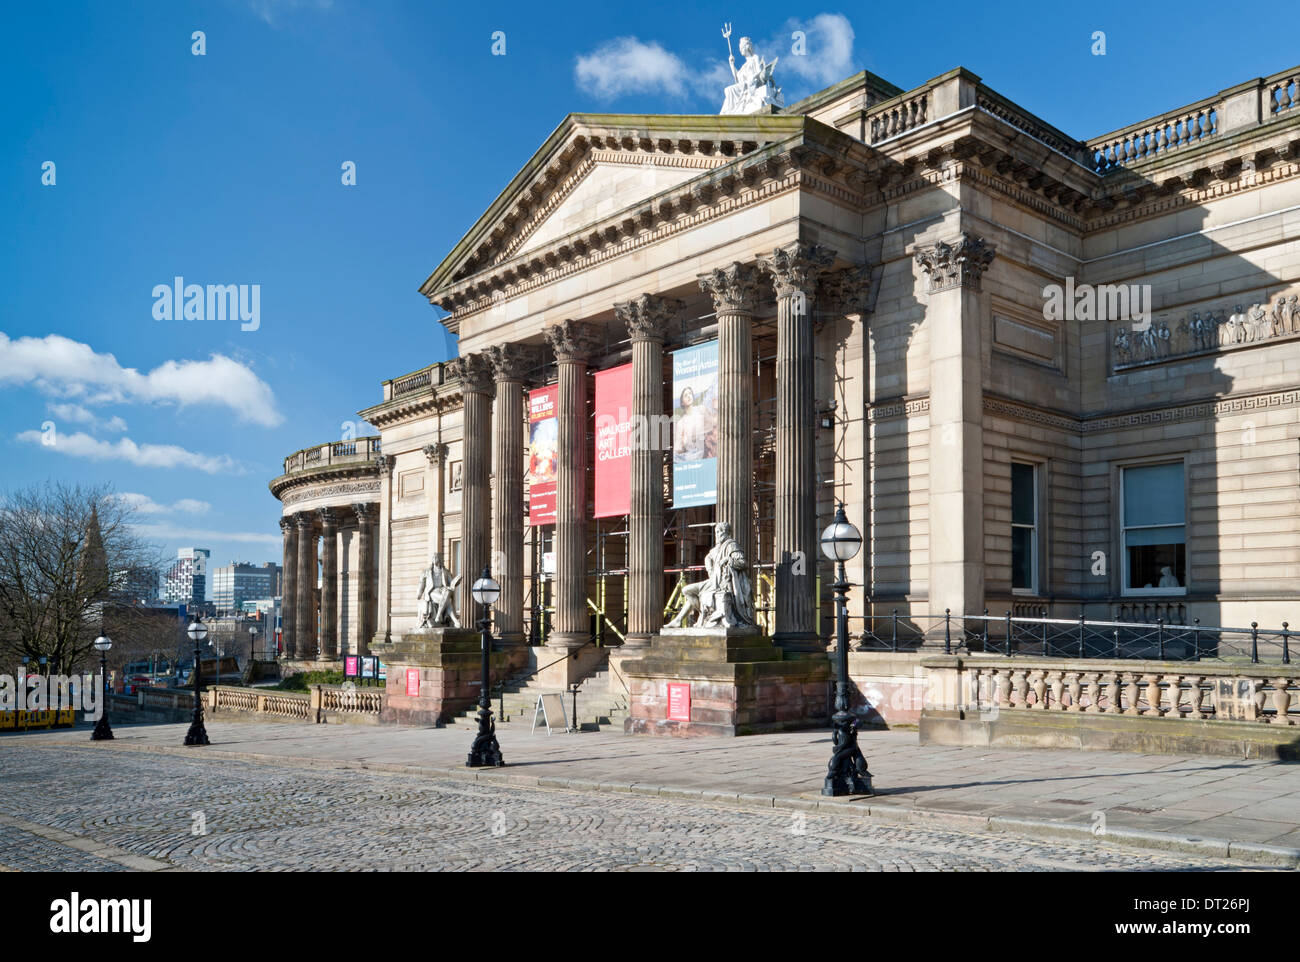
{"x": 336, "y": 452}
{"x": 897, "y": 116}
{"x": 1010, "y": 634}
{"x": 1283, "y": 92}
{"x": 1159, "y": 135}
{"x": 312, "y": 706}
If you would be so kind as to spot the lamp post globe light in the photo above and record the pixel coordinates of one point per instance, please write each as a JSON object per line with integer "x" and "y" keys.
{"x": 197, "y": 735}
{"x": 485, "y": 752}
{"x": 252, "y": 644}
{"x": 103, "y": 730}
{"x": 847, "y": 773}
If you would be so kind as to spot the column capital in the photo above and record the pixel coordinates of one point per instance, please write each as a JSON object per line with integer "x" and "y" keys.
{"x": 647, "y": 317}
{"x": 384, "y": 463}
{"x": 795, "y": 267}
{"x": 846, "y": 291}
{"x": 366, "y": 513}
{"x": 573, "y": 340}
{"x": 329, "y": 518}
{"x": 513, "y": 362}
{"x": 733, "y": 289}
{"x": 436, "y": 453}
{"x": 474, "y": 372}
{"x": 286, "y": 525}
{"x": 304, "y": 520}
{"x": 959, "y": 264}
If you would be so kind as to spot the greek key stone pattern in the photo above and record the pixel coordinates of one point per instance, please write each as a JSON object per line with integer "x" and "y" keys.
{"x": 1208, "y": 330}
{"x": 279, "y": 818}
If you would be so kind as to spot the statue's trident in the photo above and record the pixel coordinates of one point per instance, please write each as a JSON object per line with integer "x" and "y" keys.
{"x": 731, "y": 57}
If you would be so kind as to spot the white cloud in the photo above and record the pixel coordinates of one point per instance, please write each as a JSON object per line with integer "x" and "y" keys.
{"x": 269, "y": 10}
{"x": 828, "y": 57}
{"x": 143, "y": 504}
{"x": 627, "y": 65}
{"x": 69, "y": 369}
{"x": 80, "y": 415}
{"x": 81, "y": 445}
{"x": 168, "y": 532}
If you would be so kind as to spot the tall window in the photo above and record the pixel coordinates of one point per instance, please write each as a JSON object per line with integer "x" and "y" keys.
{"x": 1154, "y": 529}
{"x": 1024, "y": 528}
{"x": 453, "y": 560}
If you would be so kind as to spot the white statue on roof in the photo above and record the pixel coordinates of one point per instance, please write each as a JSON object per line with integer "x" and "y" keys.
{"x": 754, "y": 89}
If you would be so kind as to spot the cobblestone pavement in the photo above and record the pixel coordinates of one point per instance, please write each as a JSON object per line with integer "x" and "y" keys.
{"x": 142, "y": 810}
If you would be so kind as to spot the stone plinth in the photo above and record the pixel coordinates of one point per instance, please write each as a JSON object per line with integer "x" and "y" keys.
{"x": 740, "y": 684}
{"x": 450, "y": 664}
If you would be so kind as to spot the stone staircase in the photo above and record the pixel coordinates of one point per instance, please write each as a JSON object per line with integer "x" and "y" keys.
{"x": 598, "y": 707}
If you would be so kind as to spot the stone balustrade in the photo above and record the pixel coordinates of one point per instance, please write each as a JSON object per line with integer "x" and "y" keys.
{"x": 1283, "y": 92}
{"x": 428, "y": 377}
{"x": 1220, "y": 708}
{"x": 320, "y": 704}
{"x": 897, "y": 116}
{"x": 1157, "y": 135}
{"x": 355, "y": 451}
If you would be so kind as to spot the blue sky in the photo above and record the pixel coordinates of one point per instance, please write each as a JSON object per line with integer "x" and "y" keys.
{"x": 226, "y": 169}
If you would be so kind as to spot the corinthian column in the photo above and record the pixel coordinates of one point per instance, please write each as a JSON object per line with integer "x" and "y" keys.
{"x": 953, "y": 272}
{"x": 794, "y": 270}
{"x": 475, "y": 374}
{"x": 304, "y": 621}
{"x": 511, "y": 364}
{"x": 366, "y": 582}
{"x": 329, "y": 584}
{"x": 573, "y": 343}
{"x": 289, "y": 586}
{"x": 734, "y": 291}
{"x": 647, "y": 319}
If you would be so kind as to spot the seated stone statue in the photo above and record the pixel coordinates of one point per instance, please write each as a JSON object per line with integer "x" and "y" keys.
{"x": 724, "y": 598}
{"x": 754, "y": 87}
{"x": 437, "y": 597}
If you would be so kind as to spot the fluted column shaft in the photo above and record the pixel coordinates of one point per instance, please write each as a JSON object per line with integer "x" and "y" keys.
{"x": 646, "y": 318}
{"x": 289, "y": 586}
{"x": 573, "y": 344}
{"x": 329, "y": 585}
{"x": 510, "y": 363}
{"x": 305, "y": 616}
{"x": 365, "y": 575}
{"x": 476, "y": 506}
{"x": 734, "y": 291}
{"x": 794, "y": 270}
{"x": 384, "y": 563}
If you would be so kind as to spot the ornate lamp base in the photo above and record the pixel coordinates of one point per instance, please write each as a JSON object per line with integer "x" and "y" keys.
{"x": 847, "y": 773}
{"x": 103, "y": 730}
{"x": 197, "y": 735}
{"x": 485, "y": 752}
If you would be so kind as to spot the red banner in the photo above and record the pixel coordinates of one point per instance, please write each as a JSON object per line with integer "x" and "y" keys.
{"x": 613, "y": 441}
{"x": 543, "y": 444}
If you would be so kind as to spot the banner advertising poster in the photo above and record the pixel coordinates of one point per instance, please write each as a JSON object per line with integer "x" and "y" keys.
{"x": 613, "y": 473}
{"x": 695, "y": 425}
{"x": 543, "y": 451}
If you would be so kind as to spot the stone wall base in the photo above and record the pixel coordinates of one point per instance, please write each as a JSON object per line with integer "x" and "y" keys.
{"x": 1091, "y": 732}
{"x": 449, "y": 666}
{"x": 739, "y": 683}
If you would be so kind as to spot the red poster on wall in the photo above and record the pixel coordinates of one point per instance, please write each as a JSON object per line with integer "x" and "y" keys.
{"x": 413, "y": 682}
{"x": 613, "y": 441}
{"x": 543, "y": 444}
{"x": 679, "y": 702}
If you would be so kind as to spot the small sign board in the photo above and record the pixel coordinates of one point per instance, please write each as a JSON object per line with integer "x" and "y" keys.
{"x": 551, "y": 709}
{"x": 351, "y": 666}
{"x": 679, "y": 701}
{"x": 381, "y": 671}
{"x": 413, "y": 682}
{"x": 368, "y": 666}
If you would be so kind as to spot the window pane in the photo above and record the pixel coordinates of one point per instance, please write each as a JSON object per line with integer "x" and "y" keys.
{"x": 1022, "y": 558}
{"x": 1156, "y": 565}
{"x": 1154, "y": 495}
{"x": 1140, "y": 536}
{"x": 1022, "y": 494}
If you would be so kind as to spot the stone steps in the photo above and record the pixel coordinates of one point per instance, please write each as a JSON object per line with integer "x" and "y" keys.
{"x": 597, "y": 706}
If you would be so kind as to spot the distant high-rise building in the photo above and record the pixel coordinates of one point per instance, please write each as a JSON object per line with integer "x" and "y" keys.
{"x": 239, "y": 582}
{"x": 186, "y": 582}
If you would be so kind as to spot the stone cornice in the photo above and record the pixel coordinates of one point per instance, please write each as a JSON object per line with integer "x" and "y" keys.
{"x": 1141, "y": 417}
{"x": 415, "y": 405}
{"x": 325, "y": 473}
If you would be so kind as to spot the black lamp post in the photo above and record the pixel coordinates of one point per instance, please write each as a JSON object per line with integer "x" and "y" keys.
{"x": 485, "y": 752}
{"x": 103, "y": 730}
{"x": 252, "y": 644}
{"x": 847, "y": 773}
{"x": 197, "y": 735}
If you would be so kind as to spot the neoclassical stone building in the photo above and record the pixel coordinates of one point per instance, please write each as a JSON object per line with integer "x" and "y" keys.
{"x": 1039, "y": 372}
{"x": 330, "y": 495}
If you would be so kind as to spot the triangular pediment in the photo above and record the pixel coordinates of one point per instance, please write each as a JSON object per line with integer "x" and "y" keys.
{"x": 594, "y": 166}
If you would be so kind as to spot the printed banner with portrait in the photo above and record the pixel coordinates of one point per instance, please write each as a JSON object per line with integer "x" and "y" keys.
{"x": 543, "y": 452}
{"x": 695, "y": 426}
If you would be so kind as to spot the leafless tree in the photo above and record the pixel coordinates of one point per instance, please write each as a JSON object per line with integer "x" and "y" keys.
{"x": 67, "y": 554}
